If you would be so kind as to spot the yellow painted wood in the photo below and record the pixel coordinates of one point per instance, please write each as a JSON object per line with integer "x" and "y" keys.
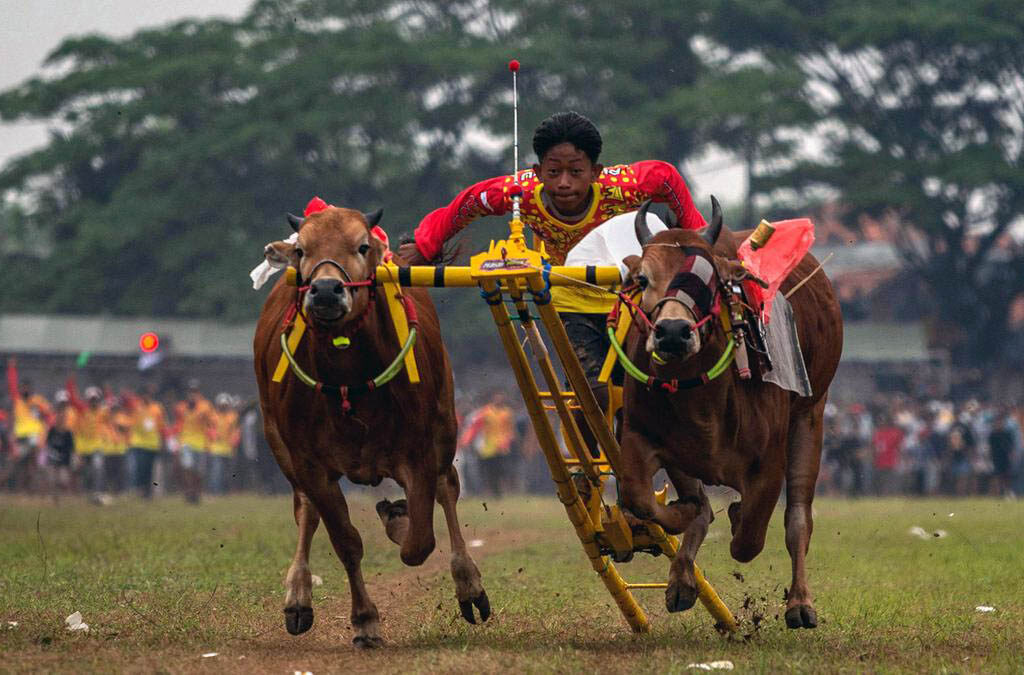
{"x": 518, "y": 271}
{"x": 294, "y": 338}
{"x": 455, "y": 276}
{"x": 621, "y": 330}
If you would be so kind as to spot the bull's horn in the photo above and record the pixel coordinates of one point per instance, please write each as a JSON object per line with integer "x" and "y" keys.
{"x": 294, "y": 221}
{"x": 643, "y": 233}
{"x": 373, "y": 217}
{"x": 715, "y": 228}
{"x": 671, "y": 220}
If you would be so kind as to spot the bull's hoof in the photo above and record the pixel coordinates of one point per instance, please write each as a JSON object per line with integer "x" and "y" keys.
{"x": 679, "y": 598}
{"x": 298, "y": 619}
{"x": 367, "y": 642}
{"x": 387, "y": 510}
{"x": 801, "y": 616}
{"x": 622, "y": 557}
{"x": 483, "y": 605}
{"x": 583, "y": 486}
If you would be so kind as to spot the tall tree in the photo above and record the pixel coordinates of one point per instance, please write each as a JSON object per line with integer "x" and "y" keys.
{"x": 180, "y": 147}
{"x": 924, "y": 104}
{"x": 185, "y": 144}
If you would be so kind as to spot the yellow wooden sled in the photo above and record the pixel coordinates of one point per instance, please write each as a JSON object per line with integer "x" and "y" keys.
{"x": 510, "y": 272}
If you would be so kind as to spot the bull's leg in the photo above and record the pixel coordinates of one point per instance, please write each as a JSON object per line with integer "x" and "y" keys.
{"x": 751, "y": 515}
{"x": 395, "y": 516}
{"x": 805, "y": 440}
{"x": 469, "y": 591}
{"x": 330, "y": 502}
{"x": 298, "y": 601}
{"x": 681, "y": 593}
{"x": 637, "y": 493}
{"x": 409, "y": 522}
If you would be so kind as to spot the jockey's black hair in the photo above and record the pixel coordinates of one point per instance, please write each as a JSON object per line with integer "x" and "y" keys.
{"x": 567, "y": 127}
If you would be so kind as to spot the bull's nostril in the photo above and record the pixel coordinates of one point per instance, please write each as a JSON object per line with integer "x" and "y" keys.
{"x": 338, "y": 289}
{"x": 312, "y": 290}
{"x": 659, "y": 331}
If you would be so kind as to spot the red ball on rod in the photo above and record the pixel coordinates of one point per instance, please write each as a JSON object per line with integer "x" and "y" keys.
{"x": 513, "y": 65}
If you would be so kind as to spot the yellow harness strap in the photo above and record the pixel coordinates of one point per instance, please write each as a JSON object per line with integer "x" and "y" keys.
{"x": 621, "y": 330}
{"x": 294, "y": 338}
{"x": 392, "y": 292}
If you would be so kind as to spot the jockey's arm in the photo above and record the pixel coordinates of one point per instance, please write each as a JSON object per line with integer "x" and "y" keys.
{"x": 661, "y": 182}
{"x": 486, "y": 198}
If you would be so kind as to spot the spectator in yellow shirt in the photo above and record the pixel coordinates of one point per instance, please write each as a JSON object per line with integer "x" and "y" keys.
{"x": 490, "y": 433}
{"x": 32, "y": 419}
{"x": 91, "y": 434}
{"x": 194, "y": 425}
{"x": 146, "y": 438}
{"x": 223, "y": 439}
{"x": 116, "y": 448}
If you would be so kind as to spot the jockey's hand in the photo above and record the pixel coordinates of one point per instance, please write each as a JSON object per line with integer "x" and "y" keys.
{"x": 411, "y": 255}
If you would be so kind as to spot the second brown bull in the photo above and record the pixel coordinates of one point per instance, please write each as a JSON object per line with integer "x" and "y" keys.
{"x": 747, "y": 434}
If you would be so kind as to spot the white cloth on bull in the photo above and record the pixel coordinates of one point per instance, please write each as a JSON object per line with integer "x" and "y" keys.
{"x": 262, "y": 272}
{"x": 611, "y": 241}
{"x": 788, "y": 369}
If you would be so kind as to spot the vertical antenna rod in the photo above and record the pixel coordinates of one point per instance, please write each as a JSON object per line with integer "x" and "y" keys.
{"x": 513, "y": 65}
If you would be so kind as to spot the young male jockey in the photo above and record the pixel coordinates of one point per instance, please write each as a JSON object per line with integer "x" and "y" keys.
{"x": 565, "y": 196}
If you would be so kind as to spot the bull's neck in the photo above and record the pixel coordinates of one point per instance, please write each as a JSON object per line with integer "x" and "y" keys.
{"x": 372, "y": 345}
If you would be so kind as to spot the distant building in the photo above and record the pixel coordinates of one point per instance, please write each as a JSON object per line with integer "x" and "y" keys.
{"x": 107, "y": 350}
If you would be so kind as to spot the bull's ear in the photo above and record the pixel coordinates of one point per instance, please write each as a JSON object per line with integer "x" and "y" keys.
{"x": 294, "y": 221}
{"x": 632, "y": 263}
{"x": 373, "y": 218}
{"x": 279, "y": 254}
{"x": 378, "y": 246}
{"x": 733, "y": 270}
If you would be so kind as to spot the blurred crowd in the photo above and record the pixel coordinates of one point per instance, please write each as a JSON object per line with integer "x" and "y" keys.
{"x": 897, "y": 444}
{"x": 104, "y": 443}
{"x": 892, "y": 445}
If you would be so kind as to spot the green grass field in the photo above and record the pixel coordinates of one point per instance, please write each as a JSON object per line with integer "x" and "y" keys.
{"x": 161, "y": 584}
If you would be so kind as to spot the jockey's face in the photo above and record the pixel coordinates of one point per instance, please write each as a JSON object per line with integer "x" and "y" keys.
{"x": 567, "y": 174}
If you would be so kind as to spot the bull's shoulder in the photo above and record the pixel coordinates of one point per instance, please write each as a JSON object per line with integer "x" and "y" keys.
{"x": 280, "y": 298}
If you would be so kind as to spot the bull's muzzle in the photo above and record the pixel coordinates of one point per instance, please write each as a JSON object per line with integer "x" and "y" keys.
{"x": 674, "y": 337}
{"x": 328, "y": 299}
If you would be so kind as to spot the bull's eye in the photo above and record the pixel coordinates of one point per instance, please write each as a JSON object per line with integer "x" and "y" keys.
{"x": 298, "y": 253}
{"x": 642, "y": 281}
{"x": 363, "y": 248}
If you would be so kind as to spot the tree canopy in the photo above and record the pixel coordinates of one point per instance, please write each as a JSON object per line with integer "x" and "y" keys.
{"x": 177, "y": 150}
{"x": 921, "y": 110}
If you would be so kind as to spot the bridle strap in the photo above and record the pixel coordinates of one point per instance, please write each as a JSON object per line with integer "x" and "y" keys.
{"x": 347, "y": 283}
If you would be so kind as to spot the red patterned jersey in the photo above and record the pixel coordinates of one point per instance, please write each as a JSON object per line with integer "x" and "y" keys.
{"x": 618, "y": 189}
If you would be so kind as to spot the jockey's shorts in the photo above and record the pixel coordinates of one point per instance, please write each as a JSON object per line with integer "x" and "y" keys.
{"x": 588, "y": 335}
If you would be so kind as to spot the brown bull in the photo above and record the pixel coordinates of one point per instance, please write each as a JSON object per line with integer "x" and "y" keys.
{"x": 401, "y": 431}
{"x": 746, "y": 434}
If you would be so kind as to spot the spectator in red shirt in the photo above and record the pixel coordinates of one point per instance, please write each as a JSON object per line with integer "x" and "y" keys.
{"x": 887, "y": 442}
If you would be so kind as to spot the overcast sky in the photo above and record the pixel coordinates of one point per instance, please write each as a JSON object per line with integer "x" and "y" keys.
{"x": 31, "y": 29}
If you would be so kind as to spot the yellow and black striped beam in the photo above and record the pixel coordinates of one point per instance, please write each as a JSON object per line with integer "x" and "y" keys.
{"x": 442, "y": 276}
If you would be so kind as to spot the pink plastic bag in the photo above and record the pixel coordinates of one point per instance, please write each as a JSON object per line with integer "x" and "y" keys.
{"x": 774, "y": 261}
